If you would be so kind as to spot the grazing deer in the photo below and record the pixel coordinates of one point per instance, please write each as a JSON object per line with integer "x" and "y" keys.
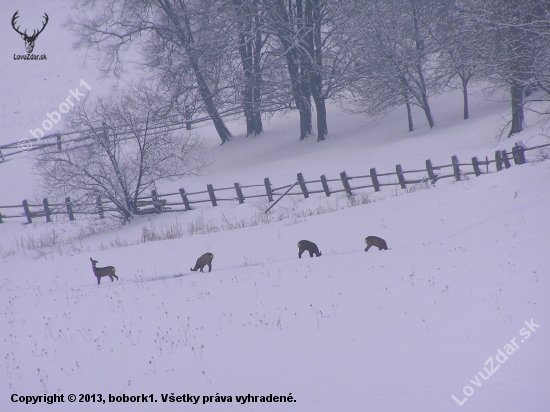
{"x": 29, "y": 40}
{"x": 204, "y": 260}
{"x": 311, "y": 247}
{"x": 102, "y": 272}
{"x": 375, "y": 241}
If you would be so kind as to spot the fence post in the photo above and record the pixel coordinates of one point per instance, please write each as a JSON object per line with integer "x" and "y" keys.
{"x": 400, "y": 176}
{"x": 27, "y": 211}
{"x": 1, "y": 159}
{"x": 185, "y": 200}
{"x": 456, "y": 169}
{"x": 430, "y": 170}
{"x": 268, "y": 191}
{"x": 69, "y": 208}
{"x": 58, "y": 142}
{"x": 47, "y": 210}
{"x": 100, "y": 210}
{"x": 325, "y": 185}
{"x": 506, "y": 160}
{"x": 515, "y": 155}
{"x": 239, "y": 192}
{"x": 345, "y": 183}
{"x": 498, "y": 160}
{"x": 212, "y": 195}
{"x": 475, "y": 165}
{"x": 374, "y": 179}
{"x": 155, "y": 199}
{"x": 0, "y": 217}
{"x": 188, "y": 125}
{"x": 521, "y": 152}
{"x": 303, "y": 185}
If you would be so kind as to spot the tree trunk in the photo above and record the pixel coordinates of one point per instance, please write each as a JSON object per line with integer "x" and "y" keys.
{"x": 406, "y": 95}
{"x": 295, "y": 60}
{"x": 185, "y": 37}
{"x": 516, "y": 93}
{"x": 249, "y": 49}
{"x": 305, "y": 118}
{"x": 302, "y": 100}
{"x": 427, "y": 111}
{"x": 204, "y": 90}
{"x": 465, "y": 97}
{"x": 305, "y": 98}
{"x": 315, "y": 60}
{"x": 409, "y": 117}
{"x": 247, "y": 109}
{"x": 256, "y": 89}
{"x": 247, "y": 95}
{"x": 322, "y": 129}
{"x": 420, "y": 72}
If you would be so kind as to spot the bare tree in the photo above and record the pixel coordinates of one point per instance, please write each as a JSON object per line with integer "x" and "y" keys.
{"x": 305, "y": 30}
{"x": 285, "y": 21}
{"x": 459, "y": 48}
{"x": 128, "y": 148}
{"x": 250, "y": 43}
{"x": 394, "y": 55}
{"x": 113, "y": 27}
{"x": 515, "y": 47}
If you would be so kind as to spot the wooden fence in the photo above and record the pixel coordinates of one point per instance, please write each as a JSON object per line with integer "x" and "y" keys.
{"x": 173, "y": 202}
{"x": 61, "y": 140}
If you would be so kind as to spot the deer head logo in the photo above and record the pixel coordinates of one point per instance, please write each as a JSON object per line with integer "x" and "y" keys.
{"x": 29, "y": 40}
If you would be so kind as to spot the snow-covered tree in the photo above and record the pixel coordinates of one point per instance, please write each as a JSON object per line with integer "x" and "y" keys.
{"x": 515, "y": 47}
{"x": 178, "y": 30}
{"x": 129, "y": 146}
{"x": 395, "y": 55}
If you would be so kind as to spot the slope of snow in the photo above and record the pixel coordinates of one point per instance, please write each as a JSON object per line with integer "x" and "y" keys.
{"x": 403, "y": 329}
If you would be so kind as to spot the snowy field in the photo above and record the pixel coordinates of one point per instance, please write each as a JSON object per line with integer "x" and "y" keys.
{"x": 403, "y": 329}
{"x": 454, "y": 317}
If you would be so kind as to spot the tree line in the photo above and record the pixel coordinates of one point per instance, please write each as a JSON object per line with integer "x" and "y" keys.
{"x": 370, "y": 56}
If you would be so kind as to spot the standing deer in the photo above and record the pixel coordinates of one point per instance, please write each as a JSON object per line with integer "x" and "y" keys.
{"x": 311, "y": 247}
{"x": 204, "y": 260}
{"x": 375, "y": 241}
{"x": 29, "y": 40}
{"x": 102, "y": 272}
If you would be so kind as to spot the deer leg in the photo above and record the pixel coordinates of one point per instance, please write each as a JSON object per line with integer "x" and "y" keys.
{"x": 367, "y": 248}
{"x": 210, "y": 267}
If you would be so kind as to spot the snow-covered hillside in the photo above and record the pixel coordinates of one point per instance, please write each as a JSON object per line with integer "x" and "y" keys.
{"x": 403, "y": 329}
{"x": 455, "y": 313}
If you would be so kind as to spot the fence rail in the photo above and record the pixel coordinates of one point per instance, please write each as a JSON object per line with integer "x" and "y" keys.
{"x": 157, "y": 203}
{"x": 61, "y": 140}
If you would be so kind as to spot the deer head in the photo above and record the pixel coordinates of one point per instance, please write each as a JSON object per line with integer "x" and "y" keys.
{"x": 29, "y": 40}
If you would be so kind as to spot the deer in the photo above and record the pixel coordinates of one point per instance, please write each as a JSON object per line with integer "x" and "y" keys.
{"x": 102, "y": 272}
{"x": 311, "y": 247}
{"x": 29, "y": 40}
{"x": 204, "y": 260}
{"x": 375, "y": 241}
